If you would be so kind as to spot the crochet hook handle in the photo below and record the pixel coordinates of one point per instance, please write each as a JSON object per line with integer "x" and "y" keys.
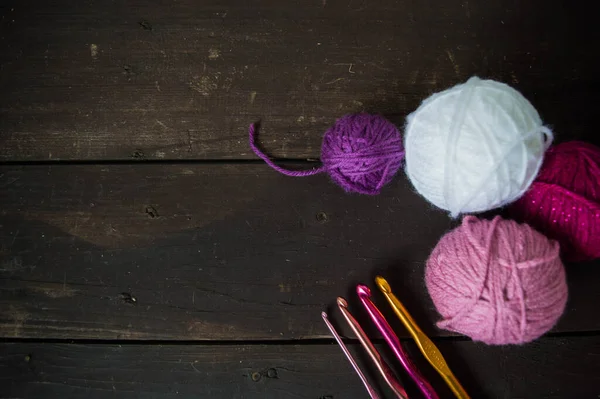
{"x": 427, "y": 347}
{"x": 382, "y": 366}
{"x": 372, "y": 393}
{"x": 364, "y": 294}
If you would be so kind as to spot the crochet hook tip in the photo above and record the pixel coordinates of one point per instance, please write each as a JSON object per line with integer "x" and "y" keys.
{"x": 342, "y": 302}
{"x": 363, "y": 291}
{"x": 383, "y": 285}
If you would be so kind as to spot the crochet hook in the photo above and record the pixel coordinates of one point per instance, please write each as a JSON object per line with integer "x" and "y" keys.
{"x": 382, "y": 366}
{"x": 427, "y": 347}
{"x": 364, "y": 294}
{"x": 337, "y": 337}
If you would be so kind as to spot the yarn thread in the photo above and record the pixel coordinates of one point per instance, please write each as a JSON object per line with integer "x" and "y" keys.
{"x": 497, "y": 281}
{"x": 360, "y": 152}
{"x": 474, "y": 147}
{"x": 564, "y": 200}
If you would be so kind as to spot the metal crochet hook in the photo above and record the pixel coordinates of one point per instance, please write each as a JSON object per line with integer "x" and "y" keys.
{"x": 382, "y": 366}
{"x": 372, "y": 393}
{"x": 427, "y": 347}
{"x": 364, "y": 294}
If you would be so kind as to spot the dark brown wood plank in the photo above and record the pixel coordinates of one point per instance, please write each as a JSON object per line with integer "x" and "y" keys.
{"x": 550, "y": 368}
{"x": 182, "y": 80}
{"x": 211, "y": 252}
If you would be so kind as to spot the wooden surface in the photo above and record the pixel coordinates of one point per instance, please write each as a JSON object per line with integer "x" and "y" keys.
{"x": 285, "y": 371}
{"x": 211, "y": 252}
{"x": 182, "y": 80}
{"x": 145, "y": 252}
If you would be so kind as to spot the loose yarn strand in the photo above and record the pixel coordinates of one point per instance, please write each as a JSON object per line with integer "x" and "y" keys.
{"x": 549, "y": 137}
{"x": 273, "y": 165}
{"x": 514, "y": 278}
{"x": 360, "y": 152}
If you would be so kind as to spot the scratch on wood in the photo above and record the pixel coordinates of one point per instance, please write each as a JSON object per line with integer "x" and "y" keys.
{"x": 10, "y": 181}
{"x": 432, "y": 80}
{"x": 414, "y": 75}
{"x": 52, "y": 291}
{"x": 453, "y": 61}
{"x": 334, "y": 81}
{"x": 284, "y": 288}
{"x": 350, "y": 65}
{"x": 162, "y": 124}
{"x": 14, "y": 238}
{"x": 13, "y": 264}
{"x": 189, "y": 134}
{"x": 214, "y": 53}
{"x": 204, "y": 85}
{"x": 19, "y": 317}
{"x": 194, "y": 367}
{"x": 94, "y": 50}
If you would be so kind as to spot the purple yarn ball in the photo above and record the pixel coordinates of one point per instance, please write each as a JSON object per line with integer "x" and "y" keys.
{"x": 362, "y": 152}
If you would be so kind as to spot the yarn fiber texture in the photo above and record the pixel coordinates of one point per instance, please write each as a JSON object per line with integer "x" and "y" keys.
{"x": 360, "y": 152}
{"x": 497, "y": 281}
{"x": 474, "y": 147}
{"x": 564, "y": 200}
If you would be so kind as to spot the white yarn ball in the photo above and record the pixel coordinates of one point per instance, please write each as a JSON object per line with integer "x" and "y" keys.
{"x": 474, "y": 147}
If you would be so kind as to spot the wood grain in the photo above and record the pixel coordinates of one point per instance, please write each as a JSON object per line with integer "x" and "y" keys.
{"x": 192, "y": 265}
{"x": 211, "y": 252}
{"x": 182, "y": 80}
{"x": 550, "y": 368}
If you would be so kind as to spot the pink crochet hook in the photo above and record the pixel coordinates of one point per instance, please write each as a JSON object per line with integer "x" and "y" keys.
{"x": 364, "y": 294}
{"x": 382, "y": 366}
{"x": 372, "y": 392}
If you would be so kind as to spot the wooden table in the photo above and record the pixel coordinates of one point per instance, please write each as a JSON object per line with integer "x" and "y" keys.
{"x": 145, "y": 252}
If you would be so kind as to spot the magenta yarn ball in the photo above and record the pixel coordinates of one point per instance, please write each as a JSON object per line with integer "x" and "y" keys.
{"x": 498, "y": 281}
{"x": 564, "y": 200}
{"x": 362, "y": 152}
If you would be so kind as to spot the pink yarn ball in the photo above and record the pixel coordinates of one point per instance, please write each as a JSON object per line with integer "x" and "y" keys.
{"x": 564, "y": 200}
{"x": 497, "y": 281}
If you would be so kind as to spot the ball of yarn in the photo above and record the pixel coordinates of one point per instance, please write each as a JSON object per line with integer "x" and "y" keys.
{"x": 497, "y": 281}
{"x": 474, "y": 147}
{"x": 361, "y": 153}
{"x": 564, "y": 200}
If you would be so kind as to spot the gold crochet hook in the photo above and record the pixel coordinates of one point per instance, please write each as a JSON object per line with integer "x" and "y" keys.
{"x": 427, "y": 347}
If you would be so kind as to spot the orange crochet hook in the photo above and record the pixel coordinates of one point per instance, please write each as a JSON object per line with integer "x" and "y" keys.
{"x": 427, "y": 347}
